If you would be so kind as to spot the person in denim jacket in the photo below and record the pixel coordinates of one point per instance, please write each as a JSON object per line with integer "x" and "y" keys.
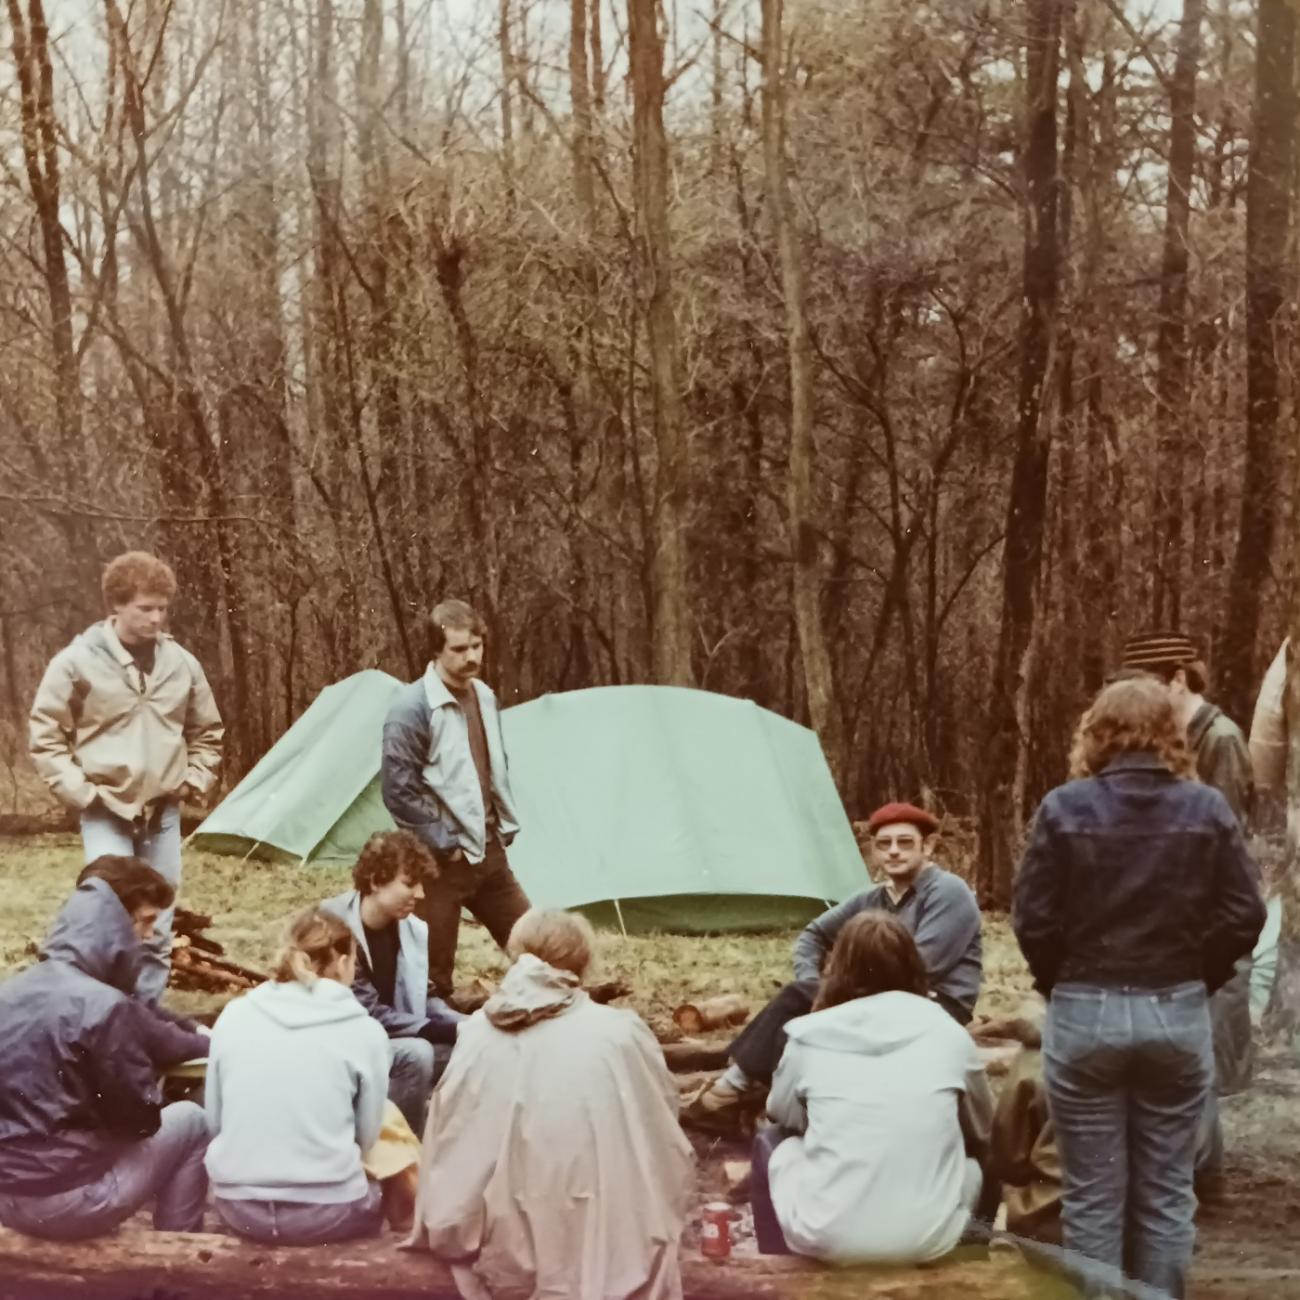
{"x": 1134, "y": 899}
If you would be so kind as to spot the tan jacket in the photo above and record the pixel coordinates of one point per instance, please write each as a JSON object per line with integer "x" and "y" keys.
{"x": 100, "y": 729}
{"x": 1268, "y": 728}
{"x": 553, "y": 1162}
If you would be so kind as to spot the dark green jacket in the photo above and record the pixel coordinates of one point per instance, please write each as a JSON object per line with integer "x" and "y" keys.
{"x": 1222, "y": 757}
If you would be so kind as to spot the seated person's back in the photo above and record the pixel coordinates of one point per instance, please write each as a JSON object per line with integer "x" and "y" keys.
{"x": 884, "y": 1093}
{"x": 553, "y": 1157}
{"x": 295, "y": 1093}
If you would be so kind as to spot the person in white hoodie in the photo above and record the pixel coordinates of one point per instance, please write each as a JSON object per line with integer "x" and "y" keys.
{"x": 296, "y": 1085}
{"x": 883, "y": 1110}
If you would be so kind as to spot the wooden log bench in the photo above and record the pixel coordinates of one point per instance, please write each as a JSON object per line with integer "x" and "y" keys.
{"x": 137, "y": 1264}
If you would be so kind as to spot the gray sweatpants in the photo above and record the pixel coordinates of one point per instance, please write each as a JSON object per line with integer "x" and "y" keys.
{"x": 166, "y": 1169}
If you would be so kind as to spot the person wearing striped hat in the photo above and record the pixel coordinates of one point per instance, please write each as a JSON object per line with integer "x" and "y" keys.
{"x": 936, "y": 906}
{"x": 1222, "y": 760}
{"x": 1217, "y": 744}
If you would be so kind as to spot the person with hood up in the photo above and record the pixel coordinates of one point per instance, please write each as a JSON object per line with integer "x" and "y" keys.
{"x": 85, "y": 1140}
{"x": 553, "y": 1162}
{"x": 883, "y": 1113}
{"x": 123, "y": 728}
{"x": 296, "y": 1086}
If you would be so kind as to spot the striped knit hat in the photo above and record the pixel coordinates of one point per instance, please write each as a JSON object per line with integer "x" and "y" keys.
{"x": 1159, "y": 651}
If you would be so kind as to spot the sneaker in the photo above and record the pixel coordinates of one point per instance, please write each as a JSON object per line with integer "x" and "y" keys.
{"x": 721, "y": 1107}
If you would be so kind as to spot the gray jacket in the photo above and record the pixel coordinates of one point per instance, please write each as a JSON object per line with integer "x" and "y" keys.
{"x": 81, "y": 1056}
{"x": 944, "y": 918}
{"x": 429, "y": 781}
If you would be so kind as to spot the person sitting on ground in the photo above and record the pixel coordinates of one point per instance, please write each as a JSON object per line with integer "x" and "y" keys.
{"x": 937, "y": 907}
{"x": 392, "y": 968}
{"x": 883, "y": 1110}
{"x": 85, "y": 1140}
{"x": 553, "y": 1162}
{"x": 296, "y": 1086}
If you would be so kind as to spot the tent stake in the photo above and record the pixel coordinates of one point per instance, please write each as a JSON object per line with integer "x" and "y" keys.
{"x": 618, "y": 911}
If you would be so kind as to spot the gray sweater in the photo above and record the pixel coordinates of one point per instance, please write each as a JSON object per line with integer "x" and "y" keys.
{"x": 941, "y": 912}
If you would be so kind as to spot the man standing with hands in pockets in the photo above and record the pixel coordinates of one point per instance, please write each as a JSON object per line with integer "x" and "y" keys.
{"x": 123, "y": 728}
{"x": 444, "y": 779}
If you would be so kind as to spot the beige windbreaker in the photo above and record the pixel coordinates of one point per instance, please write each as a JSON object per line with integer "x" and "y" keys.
{"x": 99, "y": 728}
{"x": 553, "y": 1162}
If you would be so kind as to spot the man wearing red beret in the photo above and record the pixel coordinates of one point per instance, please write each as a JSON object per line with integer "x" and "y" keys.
{"x": 936, "y": 906}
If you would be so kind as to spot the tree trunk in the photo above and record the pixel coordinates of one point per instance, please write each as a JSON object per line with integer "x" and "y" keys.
{"x": 30, "y": 41}
{"x": 671, "y": 633}
{"x": 1002, "y": 793}
{"x": 806, "y": 569}
{"x": 1268, "y": 219}
{"x": 1171, "y": 340}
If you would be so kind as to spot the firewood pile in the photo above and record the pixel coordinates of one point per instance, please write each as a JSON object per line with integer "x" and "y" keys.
{"x": 199, "y": 963}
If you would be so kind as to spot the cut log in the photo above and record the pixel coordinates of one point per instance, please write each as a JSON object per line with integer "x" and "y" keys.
{"x": 695, "y": 1055}
{"x": 206, "y": 1266}
{"x": 608, "y": 990}
{"x": 712, "y": 1013}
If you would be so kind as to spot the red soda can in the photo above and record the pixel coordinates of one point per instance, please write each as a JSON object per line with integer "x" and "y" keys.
{"x": 715, "y": 1231}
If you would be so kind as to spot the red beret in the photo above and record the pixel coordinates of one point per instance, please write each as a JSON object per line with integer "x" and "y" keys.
{"x": 926, "y": 823}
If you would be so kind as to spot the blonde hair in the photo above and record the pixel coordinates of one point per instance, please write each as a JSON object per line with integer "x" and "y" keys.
{"x": 561, "y": 939}
{"x": 314, "y": 941}
{"x": 1135, "y": 715}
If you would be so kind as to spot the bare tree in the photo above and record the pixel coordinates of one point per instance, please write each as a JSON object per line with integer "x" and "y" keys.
{"x": 671, "y": 632}
{"x": 1171, "y": 340}
{"x": 805, "y": 548}
{"x": 1002, "y": 811}
{"x": 1269, "y": 285}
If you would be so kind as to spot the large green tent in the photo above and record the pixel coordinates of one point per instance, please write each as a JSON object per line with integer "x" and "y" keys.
{"x": 650, "y": 807}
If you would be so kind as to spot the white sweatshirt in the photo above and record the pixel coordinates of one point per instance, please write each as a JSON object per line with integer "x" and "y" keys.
{"x": 296, "y": 1084}
{"x": 874, "y": 1087}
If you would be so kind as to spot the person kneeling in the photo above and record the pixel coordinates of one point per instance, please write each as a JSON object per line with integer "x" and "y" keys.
{"x": 85, "y": 1140}
{"x": 553, "y": 1162}
{"x": 884, "y": 1111}
{"x": 296, "y": 1089}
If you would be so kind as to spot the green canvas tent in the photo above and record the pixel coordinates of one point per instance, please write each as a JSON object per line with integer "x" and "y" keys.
{"x": 650, "y": 807}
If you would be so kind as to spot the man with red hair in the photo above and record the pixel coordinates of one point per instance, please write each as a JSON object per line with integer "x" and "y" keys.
{"x": 123, "y": 728}
{"x": 936, "y": 906}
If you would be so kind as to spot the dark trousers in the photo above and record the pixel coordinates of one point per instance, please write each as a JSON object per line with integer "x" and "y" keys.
{"x": 758, "y": 1047}
{"x": 767, "y": 1228}
{"x": 490, "y": 893}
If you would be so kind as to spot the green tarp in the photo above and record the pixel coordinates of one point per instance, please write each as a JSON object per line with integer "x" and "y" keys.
{"x": 651, "y": 807}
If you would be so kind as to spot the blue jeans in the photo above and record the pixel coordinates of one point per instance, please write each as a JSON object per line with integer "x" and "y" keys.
{"x": 156, "y": 840}
{"x": 304, "y": 1223}
{"x": 767, "y": 1227}
{"x": 414, "y": 1066}
{"x": 1128, "y": 1072}
{"x": 165, "y": 1168}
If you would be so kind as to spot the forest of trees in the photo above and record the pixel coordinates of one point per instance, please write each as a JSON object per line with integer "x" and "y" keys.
{"x": 883, "y": 361}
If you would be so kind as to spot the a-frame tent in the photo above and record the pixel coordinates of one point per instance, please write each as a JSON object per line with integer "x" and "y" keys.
{"x": 649, "y": 807}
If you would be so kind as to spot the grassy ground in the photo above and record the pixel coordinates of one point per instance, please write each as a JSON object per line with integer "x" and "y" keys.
{"x": 250, "y": 900}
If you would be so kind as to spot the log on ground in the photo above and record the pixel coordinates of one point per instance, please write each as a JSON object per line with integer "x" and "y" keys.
{"x": 135, "y": 1262}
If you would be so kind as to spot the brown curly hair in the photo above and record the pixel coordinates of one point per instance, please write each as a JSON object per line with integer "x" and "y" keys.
{"x": 136, "y": 573}
{"x": 389, "y": 854}
{"x": 1131, "y": 716}
{"x": 874, "y": 953}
